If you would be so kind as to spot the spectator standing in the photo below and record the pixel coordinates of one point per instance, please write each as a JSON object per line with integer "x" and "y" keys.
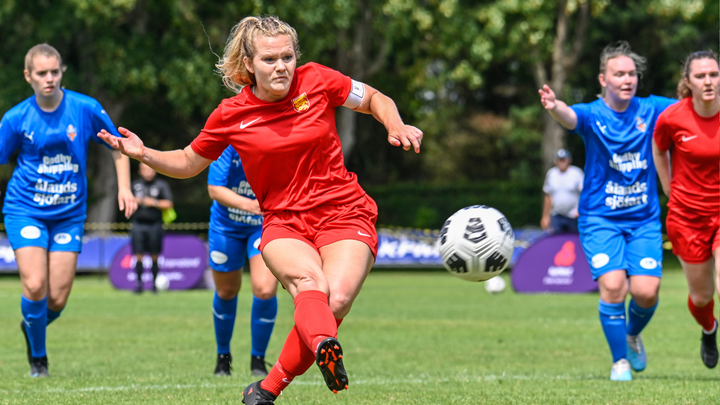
{"x": 562, "y": 188}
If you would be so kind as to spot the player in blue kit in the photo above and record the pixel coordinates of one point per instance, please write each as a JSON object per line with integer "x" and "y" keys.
{"x": 45, "y": 204}
{"x": 235, "y": 228}
{"x": 619, "y": 211}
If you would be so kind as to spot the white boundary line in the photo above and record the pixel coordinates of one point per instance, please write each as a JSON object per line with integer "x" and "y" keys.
{"x": 373, "y": 381}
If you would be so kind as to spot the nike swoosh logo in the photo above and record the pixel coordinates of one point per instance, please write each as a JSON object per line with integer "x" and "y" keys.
{"x": 243, "y": 125}
{"x": 688, "y": 138}
{"x": 363, "y": 234}
{"x": 266, "y": 320}
{"x": 220, "y": 317}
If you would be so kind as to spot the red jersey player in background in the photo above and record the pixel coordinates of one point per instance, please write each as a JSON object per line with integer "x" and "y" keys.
{"x": 319, "y": 234}
{"x": 689, "y": 131}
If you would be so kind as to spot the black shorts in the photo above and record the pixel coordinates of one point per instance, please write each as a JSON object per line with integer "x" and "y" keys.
{"x": 147, "y": 238}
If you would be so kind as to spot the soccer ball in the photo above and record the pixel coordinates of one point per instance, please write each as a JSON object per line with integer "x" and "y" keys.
{"x": 495, "y": 285}
{"x": 162, "y": 283}
{"x": 476, "y": 243}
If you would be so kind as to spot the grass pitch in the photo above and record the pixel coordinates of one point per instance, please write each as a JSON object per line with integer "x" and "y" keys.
{"x": 411, "y": 338}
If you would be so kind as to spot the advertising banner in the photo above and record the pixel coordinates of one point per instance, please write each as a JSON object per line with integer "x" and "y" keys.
{"x": 556, "y": 263}
{"x": 182, "y": 261}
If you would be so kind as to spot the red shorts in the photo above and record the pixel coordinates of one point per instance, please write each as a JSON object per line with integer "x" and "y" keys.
{"x": 694, "y": 242}
{"x": 325, "y": 224}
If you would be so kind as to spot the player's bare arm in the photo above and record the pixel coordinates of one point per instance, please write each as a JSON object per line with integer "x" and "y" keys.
{"x": 557, "y": 108}
{"x": 126, "y": 200}
{"x": 180, "y": 164}
{"x": 230, "y": 199}
{"x": 662, "y": 164}
{"x": 384, "y": 110}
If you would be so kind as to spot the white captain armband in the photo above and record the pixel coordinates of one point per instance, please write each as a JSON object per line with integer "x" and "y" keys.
{"x": 357, "y": 93}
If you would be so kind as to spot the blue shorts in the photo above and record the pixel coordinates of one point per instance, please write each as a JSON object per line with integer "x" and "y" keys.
{"x": 228, "y": 251}
{"x": 63, "y": 235}
{"x": 614, "y": 245}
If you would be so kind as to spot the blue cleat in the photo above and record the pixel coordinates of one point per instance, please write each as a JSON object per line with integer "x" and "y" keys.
{"x": 620, "y": 371}
{"x": 636, "y": 353}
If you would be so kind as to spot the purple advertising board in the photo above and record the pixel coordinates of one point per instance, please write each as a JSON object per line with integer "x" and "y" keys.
{"x": 182, "y": 261}
{"x": 556, "y": 263}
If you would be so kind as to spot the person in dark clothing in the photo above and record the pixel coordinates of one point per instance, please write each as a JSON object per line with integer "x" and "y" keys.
{"x": 152, "y": 195}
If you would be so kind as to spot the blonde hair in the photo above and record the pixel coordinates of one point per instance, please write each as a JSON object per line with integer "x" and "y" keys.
{"x": 683, "y": 90}
{"x": 41, "y": 49}
{"x": 241, "y": 44}
{"x": 621, "y": 48}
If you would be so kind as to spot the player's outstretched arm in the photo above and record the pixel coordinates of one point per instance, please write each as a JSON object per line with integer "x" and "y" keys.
{"x": 180, "y": 164}
{"x": 383, "y": 108}
{"x": 662, "y": 165}
{"x": 230, "y": 199}
{"x": 126, "y": 200}
{"x": 557, "y": 109}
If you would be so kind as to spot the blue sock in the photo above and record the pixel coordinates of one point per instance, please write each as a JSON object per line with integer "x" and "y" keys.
{"x": 224, "y": 316}
{"x": 35, "y": 317}
{"x": 262, "y": 322}
{"x": 638, "y": 317}
{"x": 53, "y": 315}
{"x": 612, "y": 319}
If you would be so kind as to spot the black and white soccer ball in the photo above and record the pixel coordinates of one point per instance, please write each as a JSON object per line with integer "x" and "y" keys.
{"x": 476, "y": 243}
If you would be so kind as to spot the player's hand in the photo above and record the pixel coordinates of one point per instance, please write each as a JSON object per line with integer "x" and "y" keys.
{"x": 252, "y": 206}
{"x": 406, "y": 136}
{"x": 547, "y": 97}
{"x": 127, "y": 202}
{"x": 129, "y": 145}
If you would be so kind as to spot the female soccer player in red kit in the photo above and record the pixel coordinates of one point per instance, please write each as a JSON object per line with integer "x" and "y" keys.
{"x": 318, "y": 236}
{"x": 689, "y": 131}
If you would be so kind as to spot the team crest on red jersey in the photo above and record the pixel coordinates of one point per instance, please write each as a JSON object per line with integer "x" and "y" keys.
{"x": 71, "y": 132}
{"x": 301, "y": 103}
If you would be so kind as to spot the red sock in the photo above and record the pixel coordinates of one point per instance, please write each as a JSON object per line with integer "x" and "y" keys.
{"x": 703, "y": 315}
{"x": 294, "y": 360}
{"x": 314, "y": 320}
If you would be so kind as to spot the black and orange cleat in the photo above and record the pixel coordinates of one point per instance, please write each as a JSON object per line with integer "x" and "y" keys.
{"x": 329, "y": 358}
{"x": 254, "y": 394}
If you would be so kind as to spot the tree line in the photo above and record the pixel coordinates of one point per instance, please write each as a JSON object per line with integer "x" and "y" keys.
{"x": 464, "y": 71}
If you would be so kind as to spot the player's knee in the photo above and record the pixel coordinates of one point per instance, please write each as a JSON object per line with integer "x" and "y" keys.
{"x": 227, "y": 292}
{"x": 264, "y": 293}
{"x": 340, "y": 304}
{"x": 701, "y": 298}
{"x": 56, "y": 303}
{"x": 35, "y": 287}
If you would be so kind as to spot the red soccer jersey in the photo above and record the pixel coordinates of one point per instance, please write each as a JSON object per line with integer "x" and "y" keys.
{"x": 290, "y": 149}
{"x": 695, "y": 157}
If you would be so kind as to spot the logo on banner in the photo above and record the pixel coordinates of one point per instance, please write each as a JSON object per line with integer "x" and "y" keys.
{"x": 561, "y": 273}
{"x": 301, "y": 103}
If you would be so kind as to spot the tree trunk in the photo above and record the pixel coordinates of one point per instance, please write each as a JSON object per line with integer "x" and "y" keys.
{"x": 563, "y": 60}
{"x": 357, "y": 63}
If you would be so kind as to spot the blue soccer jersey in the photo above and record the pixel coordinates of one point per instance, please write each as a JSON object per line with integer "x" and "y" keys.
{"x": 620, "y": 177}
{"x": 49, "y": 181}
{"x": 228, "y": 172}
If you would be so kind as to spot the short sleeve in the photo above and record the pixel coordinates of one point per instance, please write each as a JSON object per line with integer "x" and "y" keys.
{"x": 212, "y": 140}
{"x": 337, "y": 85}
{"x": 546, "y": 186}
{"x": 662, "y": 135}
{"x": 583, "y": 117}
{"x": 99, "y": 119}
{"x": 9, "y": 140}
{"x": 220, "y": 169}
{"x": 661, "y": 103}
{"x": 166, "y": 191}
